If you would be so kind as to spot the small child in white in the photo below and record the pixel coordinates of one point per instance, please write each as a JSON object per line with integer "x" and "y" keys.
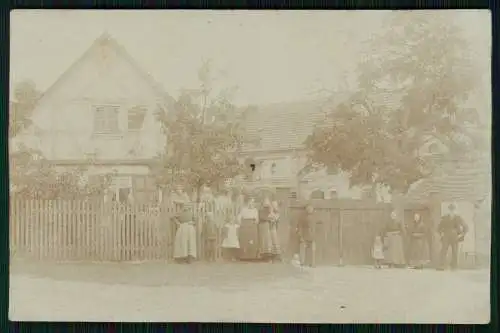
{"x": 231, "y": 243}
{"x": 378, "y": 251}
{"x": 296, "y": 260}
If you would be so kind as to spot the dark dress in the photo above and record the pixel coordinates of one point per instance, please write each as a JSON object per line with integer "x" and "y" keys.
{"x": 264, "y": 226}
{"x": 209, "y": 233}
{"x": 248, "y": 234}
{"x": 275, "y": 244}
{"x": 419, "y": 245}
{"x": 395, "y": 253}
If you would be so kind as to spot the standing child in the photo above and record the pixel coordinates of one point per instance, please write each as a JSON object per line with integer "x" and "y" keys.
{"x": 378, "y": 251}
{"x": 231, "y": 243}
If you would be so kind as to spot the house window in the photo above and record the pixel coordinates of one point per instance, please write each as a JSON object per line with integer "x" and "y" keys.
{"x": 123, "y": 194}
{"x": 273, "y": 169}
{"x": 136, "y": 117}
{"x": 293, "y": 195}
{"x": 318, "y": 194}
{"x": 334, "y": 194}
{"x": 106, "y": 119}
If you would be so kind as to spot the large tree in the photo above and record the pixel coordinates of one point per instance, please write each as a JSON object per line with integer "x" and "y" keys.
{"x": 412, "y": 85}
{"x": 205, "y": 132}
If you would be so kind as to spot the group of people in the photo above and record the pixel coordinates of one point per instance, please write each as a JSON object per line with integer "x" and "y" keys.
{"x": 253, "y": 235}
{"x": 398, "y": 245}
{"x": 250, "y": 235}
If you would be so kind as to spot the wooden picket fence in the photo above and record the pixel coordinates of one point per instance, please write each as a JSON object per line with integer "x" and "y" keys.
{"x": 93, "y": 230}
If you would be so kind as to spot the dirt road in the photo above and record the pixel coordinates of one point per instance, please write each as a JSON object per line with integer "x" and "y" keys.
{"x": 241, "y": 293}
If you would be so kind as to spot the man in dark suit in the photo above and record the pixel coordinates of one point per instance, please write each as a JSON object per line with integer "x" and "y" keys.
{"x": 452, "y": 230}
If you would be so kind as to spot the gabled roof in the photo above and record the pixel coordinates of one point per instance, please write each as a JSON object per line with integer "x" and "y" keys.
{"x": 106, "y": 39}
{"x": 284, "y": 126}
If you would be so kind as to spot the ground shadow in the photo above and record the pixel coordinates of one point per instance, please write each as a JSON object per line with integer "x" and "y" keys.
{"x": 158, "y": 273}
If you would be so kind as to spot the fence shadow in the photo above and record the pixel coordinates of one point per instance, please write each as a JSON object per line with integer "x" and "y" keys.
{"x": 153, "y": 274}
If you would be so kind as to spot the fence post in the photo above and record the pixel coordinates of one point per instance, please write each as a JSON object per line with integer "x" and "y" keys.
{"x": 435, "y": 215}
{"x": 341, "y": 238}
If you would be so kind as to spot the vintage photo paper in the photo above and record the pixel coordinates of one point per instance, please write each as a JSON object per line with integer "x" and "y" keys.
{"x": 250, "y": 166}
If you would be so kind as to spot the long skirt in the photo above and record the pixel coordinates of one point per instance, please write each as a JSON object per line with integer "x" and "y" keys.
{"x": 265, "y": 242}
{"x": 395, "y": 254}
{"x": 419, "y": 251}
{"x": 293, "y": 244}
{"x": 249, "y": 240}
{"x": 185, "y": 241}
{"x": 275, "y": 244}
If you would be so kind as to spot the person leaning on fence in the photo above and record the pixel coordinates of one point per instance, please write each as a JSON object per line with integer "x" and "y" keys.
{"x": 209, "y": 236}
{"x": 306, "y": 229}
{"x": 452, "y": 230}
{"x": 185, "y": 236}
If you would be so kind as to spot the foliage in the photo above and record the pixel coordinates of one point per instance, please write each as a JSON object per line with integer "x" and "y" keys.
{"x": 413, "y": 83}
{"x": 25, "y": 97}
{"x": 31, "y": 176}
{"x": 205, "y": 131}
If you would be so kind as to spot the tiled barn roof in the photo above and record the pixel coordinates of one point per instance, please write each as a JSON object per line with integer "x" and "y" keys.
{"x": 286, "y": 125}
{"x": 459, "y": 181}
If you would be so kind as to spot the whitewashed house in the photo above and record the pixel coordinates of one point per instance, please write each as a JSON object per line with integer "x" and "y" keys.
{"x": 280, "y": 156}
{"x": 101, "y": 113}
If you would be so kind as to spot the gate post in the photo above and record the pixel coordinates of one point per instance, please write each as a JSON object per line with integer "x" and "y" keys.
{"x": 435, "y": 216}
{"x": 341, "y": 239}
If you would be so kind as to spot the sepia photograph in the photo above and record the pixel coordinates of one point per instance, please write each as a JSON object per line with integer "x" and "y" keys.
{"x": 250, "y": 166}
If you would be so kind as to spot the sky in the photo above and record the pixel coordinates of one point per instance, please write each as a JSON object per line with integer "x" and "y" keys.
{"x": 270, "y": 56}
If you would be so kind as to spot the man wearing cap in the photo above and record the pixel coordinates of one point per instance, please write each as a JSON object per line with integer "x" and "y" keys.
{"x": 452, "y": 230}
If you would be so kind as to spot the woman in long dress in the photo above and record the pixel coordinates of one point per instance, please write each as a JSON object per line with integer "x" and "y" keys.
{"x": 419, "y": 245}
{"x": 395, "y": 255}
{"x": 185, "y": 236}
{"x": 247, "y": 218}
{"x": 275, "y": 218}
{"x": 265, "y": 219}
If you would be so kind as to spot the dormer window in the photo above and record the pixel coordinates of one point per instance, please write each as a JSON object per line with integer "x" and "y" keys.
{"x": 136, "y": 117}
{"x": 106, "y": 119}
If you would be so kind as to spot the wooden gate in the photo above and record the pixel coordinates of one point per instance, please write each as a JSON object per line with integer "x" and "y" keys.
{"x": 345, "y": 228}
